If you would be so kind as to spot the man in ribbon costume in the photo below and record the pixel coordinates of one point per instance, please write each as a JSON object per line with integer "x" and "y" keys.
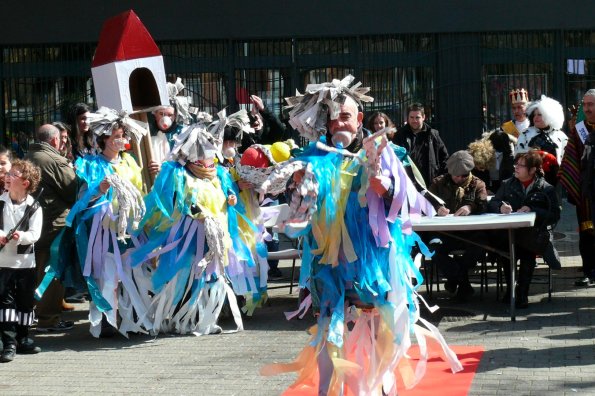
{"x": 189, "y": 212}
{"x": 356, "y": 260}
{"x": 109, "y": 208}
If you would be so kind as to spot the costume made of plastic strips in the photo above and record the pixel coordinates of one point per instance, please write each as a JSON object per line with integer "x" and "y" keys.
{"x": 162, "y": 141}
{"x": 194, "y": 238}
{"x": 356, "y": 263}
{"x": 102, "y": 224}
{"x": 246, "y": 222}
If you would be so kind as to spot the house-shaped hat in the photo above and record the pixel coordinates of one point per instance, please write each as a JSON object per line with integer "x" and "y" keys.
{"x": 128, "y": 71}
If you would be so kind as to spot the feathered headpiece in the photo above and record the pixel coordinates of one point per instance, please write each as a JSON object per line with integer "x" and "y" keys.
{"x": 179, "y": 103}
{"x": 195, "y": 142}
{"x": 103, "y": 121}
{"x": 234, "y": 125}
{"x": 550, "y": 109}
{"x": 309, "y": 112}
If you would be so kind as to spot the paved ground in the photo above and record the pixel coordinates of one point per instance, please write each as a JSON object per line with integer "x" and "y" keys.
{"x": 548, "y": 351}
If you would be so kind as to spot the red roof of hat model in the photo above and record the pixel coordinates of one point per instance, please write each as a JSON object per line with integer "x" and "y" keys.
{"x": 124, "y": 37}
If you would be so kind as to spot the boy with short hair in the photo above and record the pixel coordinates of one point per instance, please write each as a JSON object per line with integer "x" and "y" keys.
{"x": 17, "y": 259}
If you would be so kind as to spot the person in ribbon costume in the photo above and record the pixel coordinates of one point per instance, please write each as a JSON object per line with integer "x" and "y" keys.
{"x": 189, "y": 239}
{"x": 109, "y": 208}
{"x": 356, "y": 260}
{"x": 168, "y": 122}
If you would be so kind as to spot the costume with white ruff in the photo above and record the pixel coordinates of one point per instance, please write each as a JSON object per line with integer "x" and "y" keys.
{"x": 553, "y": 116}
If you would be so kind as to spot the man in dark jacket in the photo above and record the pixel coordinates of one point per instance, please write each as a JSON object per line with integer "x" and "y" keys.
{"x": 59, "y": 182}
{"x": 463, "y": 194}
{"x": 423, "y": 144}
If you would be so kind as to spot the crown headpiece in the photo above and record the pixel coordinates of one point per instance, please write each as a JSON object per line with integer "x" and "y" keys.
{"x": 518, "y": 96}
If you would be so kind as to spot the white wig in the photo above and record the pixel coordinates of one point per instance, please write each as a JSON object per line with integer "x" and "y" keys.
{"x": 550, "y": 109}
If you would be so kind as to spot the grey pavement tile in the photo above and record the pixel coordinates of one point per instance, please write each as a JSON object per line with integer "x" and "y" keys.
{"x": 549, "y": 350}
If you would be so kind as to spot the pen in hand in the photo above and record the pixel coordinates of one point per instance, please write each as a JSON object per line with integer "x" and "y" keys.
{"x": 505, "y": 208}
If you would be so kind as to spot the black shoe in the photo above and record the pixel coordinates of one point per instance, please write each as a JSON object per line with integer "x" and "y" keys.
{"x": 275, "y": 274}
{"x": 522, "y": 302}
{"x": 107, "y": 330}
{"x": 8, "y": 354}
{"x": 451, "y": 286}
{"x": 583, "y": 282}
{"x": 77, "y": 298}
{"x": 61, "y": 326}
{"x": 28, "y": 348}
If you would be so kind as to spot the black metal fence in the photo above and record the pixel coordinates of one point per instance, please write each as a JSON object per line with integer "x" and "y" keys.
{"x": 463, "y": 79}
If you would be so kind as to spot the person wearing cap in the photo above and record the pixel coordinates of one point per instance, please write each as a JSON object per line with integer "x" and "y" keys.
{"x": 463, "y": 194}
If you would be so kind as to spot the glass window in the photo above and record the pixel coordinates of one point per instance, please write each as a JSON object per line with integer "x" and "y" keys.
{"x": 331, "y": 46}
{"x": 207, "y": 91}
{"x": 268, "y": 84}
{"x": 395, "y": 89}
{"x": 499, "y": 80}
{"x": 580, "y": 77}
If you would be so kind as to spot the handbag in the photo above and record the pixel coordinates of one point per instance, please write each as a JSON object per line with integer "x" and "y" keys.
{"x": 535, "y": 239}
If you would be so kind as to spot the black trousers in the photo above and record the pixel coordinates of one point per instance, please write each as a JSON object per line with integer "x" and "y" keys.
{"x": 457, "y": 268}
{"x": 17, "y": 288}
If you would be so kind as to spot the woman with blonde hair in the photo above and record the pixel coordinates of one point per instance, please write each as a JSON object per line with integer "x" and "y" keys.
{"x": 484, "y": 158}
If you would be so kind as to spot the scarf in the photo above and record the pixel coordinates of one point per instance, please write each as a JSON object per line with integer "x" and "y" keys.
{"x": 203, "y": 173}
{"x": 460, "y": 193}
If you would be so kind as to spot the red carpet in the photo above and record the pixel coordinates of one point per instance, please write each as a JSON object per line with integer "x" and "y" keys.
{"x": 439, "y": 379}
{"x": 438, "y": 375}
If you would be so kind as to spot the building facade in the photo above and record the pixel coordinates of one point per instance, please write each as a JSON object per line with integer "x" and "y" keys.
{"x": 460, "y": 59}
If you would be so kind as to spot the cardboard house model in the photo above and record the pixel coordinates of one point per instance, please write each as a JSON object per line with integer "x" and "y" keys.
{"x": 128, "y": 71}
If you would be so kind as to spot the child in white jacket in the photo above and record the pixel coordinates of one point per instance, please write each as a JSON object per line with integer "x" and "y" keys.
{"x": 17, "y": 259}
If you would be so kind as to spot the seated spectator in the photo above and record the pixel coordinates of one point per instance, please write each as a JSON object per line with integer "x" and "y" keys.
{"x": 525, "y": 192}
{"x": 463, "y": 194}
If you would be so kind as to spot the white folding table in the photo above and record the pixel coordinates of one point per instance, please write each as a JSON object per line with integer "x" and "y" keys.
{"x": 488, "y": 221}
